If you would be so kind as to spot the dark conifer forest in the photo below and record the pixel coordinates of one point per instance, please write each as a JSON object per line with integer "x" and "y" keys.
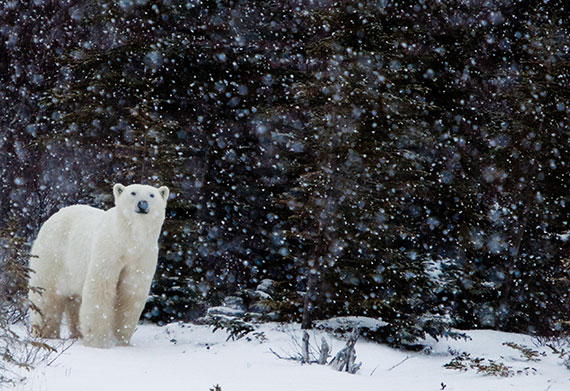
{"x": 401, "y": 160}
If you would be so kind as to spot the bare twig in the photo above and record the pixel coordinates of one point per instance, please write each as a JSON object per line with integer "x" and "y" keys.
{"x": 345, "y": 360}
{"x": 374, "y": 370}
{"x": 400, "y": 363}
{"x": 291, "y": 358}
{"x": 60, "y": 353}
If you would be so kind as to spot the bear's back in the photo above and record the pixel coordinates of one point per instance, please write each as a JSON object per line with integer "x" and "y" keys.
{"x": 63, "y": 246}
{"x": 68, "y": 222}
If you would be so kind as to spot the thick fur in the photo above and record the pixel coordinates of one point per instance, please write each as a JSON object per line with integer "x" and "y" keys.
{"x": 97, "y": 266}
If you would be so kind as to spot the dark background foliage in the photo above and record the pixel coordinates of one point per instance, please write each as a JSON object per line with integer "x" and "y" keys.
{"x": 401, "y": 160}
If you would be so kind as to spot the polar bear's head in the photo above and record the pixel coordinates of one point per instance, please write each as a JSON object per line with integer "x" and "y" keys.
{"x": 141, "y": 201}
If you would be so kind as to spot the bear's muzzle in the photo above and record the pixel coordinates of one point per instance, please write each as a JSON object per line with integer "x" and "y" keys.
{"x": 142, "y": 207}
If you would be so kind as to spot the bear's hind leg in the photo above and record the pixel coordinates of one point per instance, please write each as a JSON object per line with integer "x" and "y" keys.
{"x": 36, "y": 321}
{"x": 48, "y": 323}
{"x": 72, "y": 308}
{"x": 52, "y": 315}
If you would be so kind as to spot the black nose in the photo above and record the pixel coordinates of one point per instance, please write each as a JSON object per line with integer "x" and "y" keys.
{"x": 143, "y": 206}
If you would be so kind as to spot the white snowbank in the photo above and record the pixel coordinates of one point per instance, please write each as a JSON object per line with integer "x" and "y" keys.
{"x": 189, "y": 357}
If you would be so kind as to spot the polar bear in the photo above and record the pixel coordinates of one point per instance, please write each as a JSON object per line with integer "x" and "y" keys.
{"x": 97, "y": 266}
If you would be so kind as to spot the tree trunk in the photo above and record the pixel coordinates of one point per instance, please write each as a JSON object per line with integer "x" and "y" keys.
{"x": 310, "y": 298}
{"x": 508, "y": 284}
{"x": 306, "y": 354}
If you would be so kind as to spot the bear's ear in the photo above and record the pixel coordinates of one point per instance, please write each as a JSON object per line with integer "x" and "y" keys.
{"x": 164, "y": 192}
{"x": 118, "y": 190}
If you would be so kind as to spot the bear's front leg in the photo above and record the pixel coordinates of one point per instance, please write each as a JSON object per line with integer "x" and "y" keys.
{"x": 132, "y": 293}
{"x": 96, "y": 315}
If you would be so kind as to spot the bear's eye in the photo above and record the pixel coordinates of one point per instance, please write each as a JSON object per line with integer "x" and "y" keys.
{"x": 133, "y": 193}
{"x": 152, "y": 196}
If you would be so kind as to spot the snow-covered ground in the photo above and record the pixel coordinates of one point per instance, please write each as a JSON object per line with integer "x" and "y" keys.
{"x": 190, "y": 357}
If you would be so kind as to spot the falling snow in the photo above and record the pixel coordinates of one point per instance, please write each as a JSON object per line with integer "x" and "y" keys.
{"x": 402, "y": 162}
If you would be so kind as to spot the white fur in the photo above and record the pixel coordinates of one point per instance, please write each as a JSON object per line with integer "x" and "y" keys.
{"x": 97, "y": 266}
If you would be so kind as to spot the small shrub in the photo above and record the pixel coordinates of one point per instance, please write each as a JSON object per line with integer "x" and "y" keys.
{"x": 559, "y": 347}
{"x": 235, "y": 327}
{"x": 526, "y": 352}
{"x": 464, "y": 362}
{"x": 18, "y": 351}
